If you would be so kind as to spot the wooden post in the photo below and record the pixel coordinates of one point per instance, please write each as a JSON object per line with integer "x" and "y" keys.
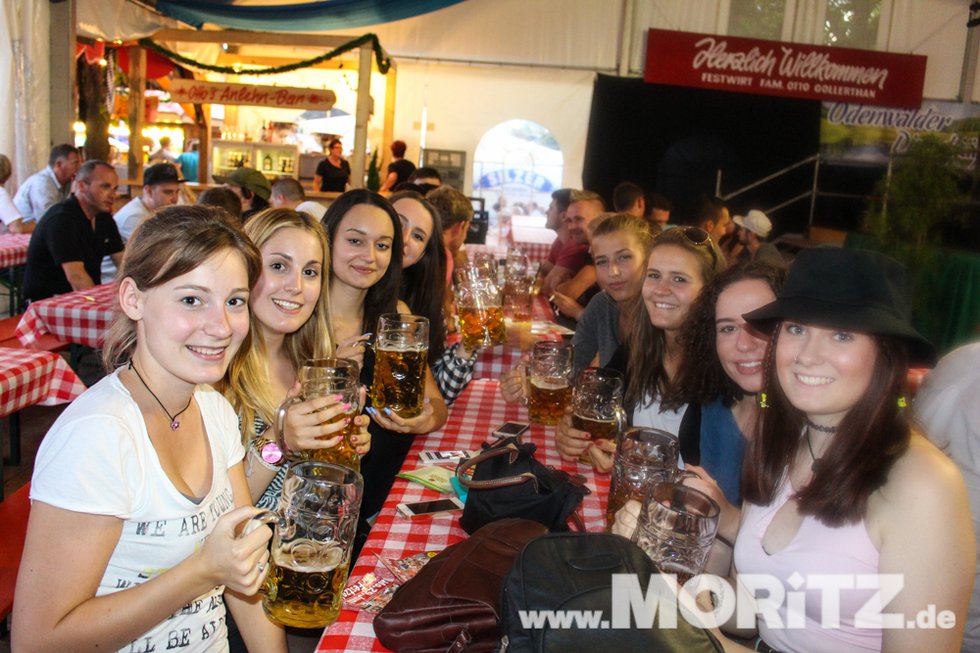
{"x": 359, "y": 158}
{"x": 204, "y": 146}
{"x": 388, "y": 133}
{"x": 61, "y": 77}
{"x": 137, "y": 90}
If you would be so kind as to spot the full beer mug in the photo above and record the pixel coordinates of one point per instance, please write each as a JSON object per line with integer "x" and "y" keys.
{"x": 400, "y": 363}
{"x": 481, "y": 316}
{"x": 676, "y": 528}
{"x": 311, "y": 546}
{"x": 518, "y": 312}
{"x": 549, "y": 382}
{"x": 597, "y": 405}
{"x": 644, "y": 458}
{"x": 328, "y": 377}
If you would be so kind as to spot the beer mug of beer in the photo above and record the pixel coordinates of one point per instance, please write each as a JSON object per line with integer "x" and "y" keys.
{"x": 517, "y": 312}
{"x": 676, "y": 528}
{"x": 311, "y": 545}
{"x": 329, "y": 377}
{"x": 549, "y": 382}
{"x": 485, "y": 264}
{"x": 401, "y": 358}
{"x": 597, "y": 405}
{"x": 481, "y": 317}
{"x": 517, "y": 265}
{"x": 644, "y": 457}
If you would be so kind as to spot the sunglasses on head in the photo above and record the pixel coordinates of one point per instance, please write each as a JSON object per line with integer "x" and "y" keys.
{"x": 701, "y": 238}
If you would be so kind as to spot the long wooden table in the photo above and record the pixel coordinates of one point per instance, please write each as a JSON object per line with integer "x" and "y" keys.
{"x": 472, "y": 418}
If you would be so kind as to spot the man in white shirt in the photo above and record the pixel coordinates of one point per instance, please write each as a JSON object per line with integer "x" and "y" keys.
{"x": 161, "y": 187}
{"x": 47, "y": 187}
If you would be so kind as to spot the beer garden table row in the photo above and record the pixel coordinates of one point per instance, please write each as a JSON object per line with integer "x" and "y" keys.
{"x": 30, "y": 377}
{"x": 472, "y": 418}
{"x": 13, "y": 256}
{"x": 79, "y": 317}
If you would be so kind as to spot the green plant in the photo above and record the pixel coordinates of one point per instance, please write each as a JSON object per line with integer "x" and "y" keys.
{"x": 926, "y": 194}
{"x": 374, "y": 174}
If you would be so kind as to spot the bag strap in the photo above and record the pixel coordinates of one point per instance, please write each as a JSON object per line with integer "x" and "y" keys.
{"x": 463, "y": 639}
{"x": 492, "y": 484}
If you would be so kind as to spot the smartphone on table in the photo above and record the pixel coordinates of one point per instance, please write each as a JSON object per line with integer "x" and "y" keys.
{"x": 433, "y": 507}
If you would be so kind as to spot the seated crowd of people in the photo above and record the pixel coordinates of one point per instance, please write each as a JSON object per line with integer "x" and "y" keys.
{"x": 784, "y": 383}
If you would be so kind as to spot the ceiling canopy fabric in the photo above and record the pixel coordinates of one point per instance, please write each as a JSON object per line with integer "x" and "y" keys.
{"x": 296, "y": 15}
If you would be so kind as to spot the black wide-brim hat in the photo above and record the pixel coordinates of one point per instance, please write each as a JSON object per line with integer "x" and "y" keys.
{"x": 849, "y": 289}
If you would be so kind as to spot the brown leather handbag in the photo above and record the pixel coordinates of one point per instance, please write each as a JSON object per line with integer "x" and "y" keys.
{"x": 453, "y": 603}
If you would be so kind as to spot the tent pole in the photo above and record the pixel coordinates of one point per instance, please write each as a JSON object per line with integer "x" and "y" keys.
{"x": 361, "y": 120}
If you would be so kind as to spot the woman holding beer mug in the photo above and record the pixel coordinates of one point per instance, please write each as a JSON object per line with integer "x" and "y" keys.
{"x": 139, "y": 493}
{"x": 838, "y": 484}
{"x": 290, "y": 318}
{"x": 681, "y": 262}
{"x": 423, "y": 289}
{"x": 364, "y": 233}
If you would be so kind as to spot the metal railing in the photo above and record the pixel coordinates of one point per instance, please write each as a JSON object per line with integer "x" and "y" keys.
{"x": 812, "y": 193}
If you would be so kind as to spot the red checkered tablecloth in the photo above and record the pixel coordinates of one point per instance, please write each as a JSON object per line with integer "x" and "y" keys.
{"x": 475, "y": 414}
{"x": 29, "y": 377}
{"x": 13, "y": 249}
{"x": 81, "y": 317}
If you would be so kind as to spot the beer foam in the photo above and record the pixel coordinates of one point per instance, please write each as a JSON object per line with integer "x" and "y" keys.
{"x": 549, "y": 383}
{"x": 308, "y": 556}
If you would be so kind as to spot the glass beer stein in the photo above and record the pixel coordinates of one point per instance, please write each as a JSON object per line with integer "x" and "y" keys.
{"x": 645, "y": 457}
{"x": 400, "y": 363}
{"x": 481, "y": 316}
{"x": 328, "y": 377}
{"x": 549, "y": 381}
{"x": 311, "y": 546}
{"x": 597, "y": 405}
{"x": 676, "y": 529}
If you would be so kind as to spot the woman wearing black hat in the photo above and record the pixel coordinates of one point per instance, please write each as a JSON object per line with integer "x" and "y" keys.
{"x": 839, "y": 489}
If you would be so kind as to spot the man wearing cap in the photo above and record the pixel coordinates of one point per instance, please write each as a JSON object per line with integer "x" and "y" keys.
{"x": 250, "y": 185}
{"x": 71, "y": 239}
{"x": 161, "y": 186}
{"x": 753, "y": 230}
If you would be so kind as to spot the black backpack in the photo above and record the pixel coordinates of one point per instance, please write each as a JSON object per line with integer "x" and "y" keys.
{"x": 573, "y": 572}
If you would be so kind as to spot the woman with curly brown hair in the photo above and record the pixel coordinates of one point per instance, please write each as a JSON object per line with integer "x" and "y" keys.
{"x": 725, "y": 384}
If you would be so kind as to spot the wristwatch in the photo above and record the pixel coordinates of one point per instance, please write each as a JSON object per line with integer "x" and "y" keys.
{"x": 269, "y": 451}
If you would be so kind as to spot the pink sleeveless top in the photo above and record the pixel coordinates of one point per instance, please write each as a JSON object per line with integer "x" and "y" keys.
{"x": 815, "y": 550}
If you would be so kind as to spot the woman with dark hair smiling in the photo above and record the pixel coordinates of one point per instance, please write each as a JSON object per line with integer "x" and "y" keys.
{"x": 839, "y": 488}
{"x": 423, "y": 289}
{"x": 726, "y": 383}
{"x": 365, "y": 273}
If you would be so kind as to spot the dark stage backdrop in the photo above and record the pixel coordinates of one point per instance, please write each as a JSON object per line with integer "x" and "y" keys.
{"x": 671, "y": 140}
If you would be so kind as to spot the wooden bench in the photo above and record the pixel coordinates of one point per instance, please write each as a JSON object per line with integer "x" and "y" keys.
{"x": 14, "y": 512}
{"x": 47, "y": 342}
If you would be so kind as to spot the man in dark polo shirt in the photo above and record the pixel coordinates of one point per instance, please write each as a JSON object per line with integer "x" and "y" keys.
{"x": 73, "y": 236}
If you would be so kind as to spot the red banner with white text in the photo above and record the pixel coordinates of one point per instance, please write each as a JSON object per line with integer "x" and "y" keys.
{"x": 814, "y": 72}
